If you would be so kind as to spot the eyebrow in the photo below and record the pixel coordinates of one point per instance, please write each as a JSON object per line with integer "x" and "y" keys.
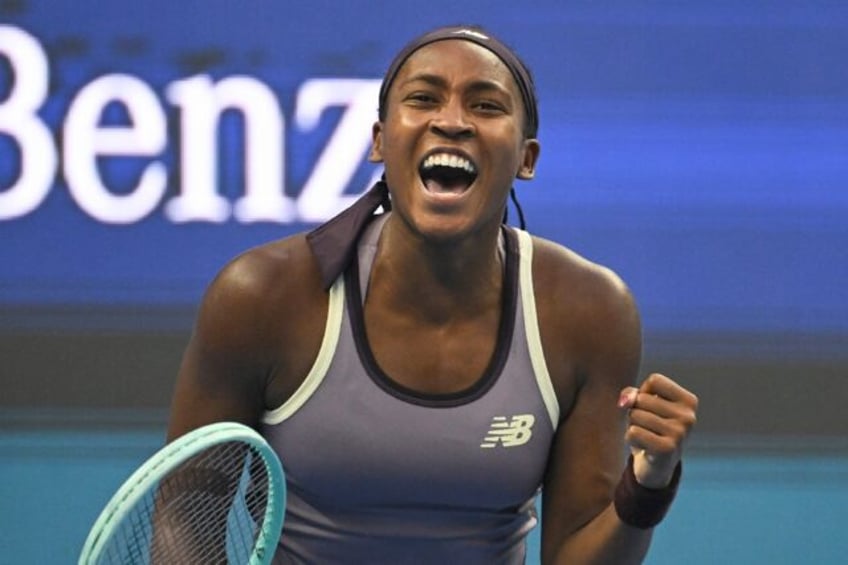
{"x": 480, "y": 85}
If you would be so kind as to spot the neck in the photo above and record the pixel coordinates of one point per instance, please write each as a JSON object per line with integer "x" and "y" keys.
{"x": 440, "y": 281}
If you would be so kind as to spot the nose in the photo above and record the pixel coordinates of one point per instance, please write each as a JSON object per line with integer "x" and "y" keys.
{"x": 452, "y": 122}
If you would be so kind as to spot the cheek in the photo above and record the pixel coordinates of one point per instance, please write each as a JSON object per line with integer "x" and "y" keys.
{"x": 398, "y": 143}
{"x": 402, "y": 122}
{"x": 508, "y": 158}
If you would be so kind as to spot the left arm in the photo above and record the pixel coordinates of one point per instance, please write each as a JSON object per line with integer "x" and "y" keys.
{"x": 592, "y": 341}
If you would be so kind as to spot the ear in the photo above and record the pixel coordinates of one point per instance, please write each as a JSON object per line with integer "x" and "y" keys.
{"x": 528, "y": 163}
{"x": 375, "y": 155}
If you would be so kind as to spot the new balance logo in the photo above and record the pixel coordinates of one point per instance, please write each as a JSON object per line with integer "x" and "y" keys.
{"x": 509, "y": 432}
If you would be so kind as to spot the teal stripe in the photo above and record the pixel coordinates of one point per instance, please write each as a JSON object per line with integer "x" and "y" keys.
{"x": 732, "y": 508}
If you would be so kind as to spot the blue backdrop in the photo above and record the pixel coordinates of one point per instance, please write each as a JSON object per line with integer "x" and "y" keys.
{"x": 698, "y": 149}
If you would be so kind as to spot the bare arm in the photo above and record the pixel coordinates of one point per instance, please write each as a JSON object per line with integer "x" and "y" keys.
{"x": 221, "y": 377}
{"x": 257, "y": 332}
{"x": 600, "y": 348}
{"x": 661, "y": 414}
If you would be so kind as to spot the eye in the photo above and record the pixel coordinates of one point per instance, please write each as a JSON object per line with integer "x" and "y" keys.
{"x": 489, "y": 107}
{"x": 421, "y": 98}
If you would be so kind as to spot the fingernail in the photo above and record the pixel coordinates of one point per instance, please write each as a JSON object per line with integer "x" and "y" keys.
{"x": 623, "y": 400}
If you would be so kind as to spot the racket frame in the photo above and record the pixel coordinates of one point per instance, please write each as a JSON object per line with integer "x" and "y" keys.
{"x": 171, "y": 456}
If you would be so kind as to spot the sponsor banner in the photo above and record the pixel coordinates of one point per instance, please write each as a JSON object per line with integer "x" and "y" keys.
{"x": 699, "y": 151}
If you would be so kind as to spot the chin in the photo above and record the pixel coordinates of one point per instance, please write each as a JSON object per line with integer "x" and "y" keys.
{"x": 444, "y": 229}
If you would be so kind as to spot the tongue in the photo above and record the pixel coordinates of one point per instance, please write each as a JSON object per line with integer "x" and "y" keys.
{"x": 447, "y": 181}
{"x": 454, "y": 186}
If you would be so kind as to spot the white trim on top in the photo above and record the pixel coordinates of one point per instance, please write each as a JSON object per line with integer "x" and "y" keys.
{"x": 531, "y": 327}
{"x": 310, "y": 384}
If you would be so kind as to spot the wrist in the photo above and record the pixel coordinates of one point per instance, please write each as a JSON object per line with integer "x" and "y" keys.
{"x": 640, "y": 506}
{"x": 651, "y": 474}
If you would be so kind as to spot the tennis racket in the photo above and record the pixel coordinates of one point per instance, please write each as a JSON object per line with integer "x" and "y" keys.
{"x": 215, "y": 495}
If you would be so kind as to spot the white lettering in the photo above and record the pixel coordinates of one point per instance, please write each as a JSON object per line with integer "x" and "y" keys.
{"x": 201, "y": 103}
{"x": 323, "y": 194}
{"x": 85, "y": 140}
{"x": 89, "y": 136}
{"x": 19, "y": 120}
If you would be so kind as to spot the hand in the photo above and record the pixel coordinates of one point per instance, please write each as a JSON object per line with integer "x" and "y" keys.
{"x": 661, "y": 415}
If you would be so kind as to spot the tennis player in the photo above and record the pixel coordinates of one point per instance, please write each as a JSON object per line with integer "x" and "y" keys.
{"x": 425, "y": 371}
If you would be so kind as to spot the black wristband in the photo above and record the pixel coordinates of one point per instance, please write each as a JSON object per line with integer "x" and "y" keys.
{"x": 643, "y": 507}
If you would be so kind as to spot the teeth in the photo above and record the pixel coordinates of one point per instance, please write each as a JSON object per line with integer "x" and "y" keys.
{"x": 448, "y": 160}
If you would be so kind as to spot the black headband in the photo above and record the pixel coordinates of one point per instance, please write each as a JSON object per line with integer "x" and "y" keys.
{"x": 516, "y": 67}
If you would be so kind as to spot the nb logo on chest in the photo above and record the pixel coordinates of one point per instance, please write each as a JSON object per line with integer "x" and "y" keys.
{"x": 509, "y": 432}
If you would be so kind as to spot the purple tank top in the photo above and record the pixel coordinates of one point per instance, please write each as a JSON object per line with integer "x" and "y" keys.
{"x": 377, "y": 473}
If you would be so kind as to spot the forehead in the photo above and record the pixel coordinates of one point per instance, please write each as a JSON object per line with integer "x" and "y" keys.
{"x": 457, "y": 60}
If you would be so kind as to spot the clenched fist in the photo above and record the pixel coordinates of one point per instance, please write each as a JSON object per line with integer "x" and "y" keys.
{"x": 661, "y": 415}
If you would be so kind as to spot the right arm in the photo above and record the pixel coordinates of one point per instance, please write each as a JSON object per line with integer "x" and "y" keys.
{"x": 257, "y": 332}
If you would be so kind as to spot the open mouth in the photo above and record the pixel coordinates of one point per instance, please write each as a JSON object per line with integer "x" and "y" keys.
{"x": 447, "y": 173}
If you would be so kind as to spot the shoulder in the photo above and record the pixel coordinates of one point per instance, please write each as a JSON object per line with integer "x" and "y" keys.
{"x": 570, "y": 280}
{"x": 268, "y": 267}
{"x": 260, "y": 290}
{"x": 588, "y": 317}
